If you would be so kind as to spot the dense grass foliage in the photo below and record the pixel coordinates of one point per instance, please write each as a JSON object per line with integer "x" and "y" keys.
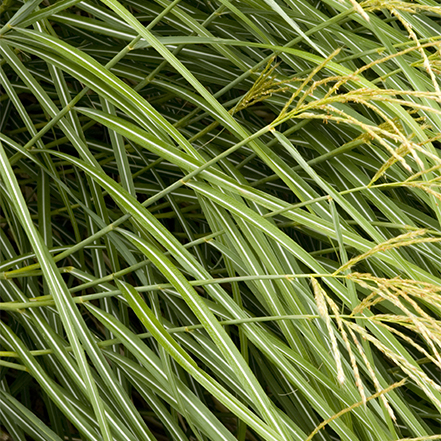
{"x": 220, "y": 220}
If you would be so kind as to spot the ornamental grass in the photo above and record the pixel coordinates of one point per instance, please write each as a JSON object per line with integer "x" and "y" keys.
{"x": 220, "y": 220}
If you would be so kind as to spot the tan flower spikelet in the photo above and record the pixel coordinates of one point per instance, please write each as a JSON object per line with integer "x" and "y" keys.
{"x": 354, "y": 406}
{"x": 421, "y": 325}
{"x": 406, "y": 239}
{"x": 358, "y": 8}
{"x": 264, "y": 86}
{"x": 323, "y": 311}
{"x": 371, "y": 371}
{"x": 407, "y": 338}
{"x": 421, "y": 438}
{"x": 404, "y": 293}
{"x": 371, "y": 300}
{"x": 415, "y": 373}
{"x": 353, "y": 361}
{"x": 413, "y": 36}
{"x": 391, "y": 134}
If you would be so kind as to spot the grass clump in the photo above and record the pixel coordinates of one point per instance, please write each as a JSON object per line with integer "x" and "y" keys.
{"x": 220, "y": 220}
